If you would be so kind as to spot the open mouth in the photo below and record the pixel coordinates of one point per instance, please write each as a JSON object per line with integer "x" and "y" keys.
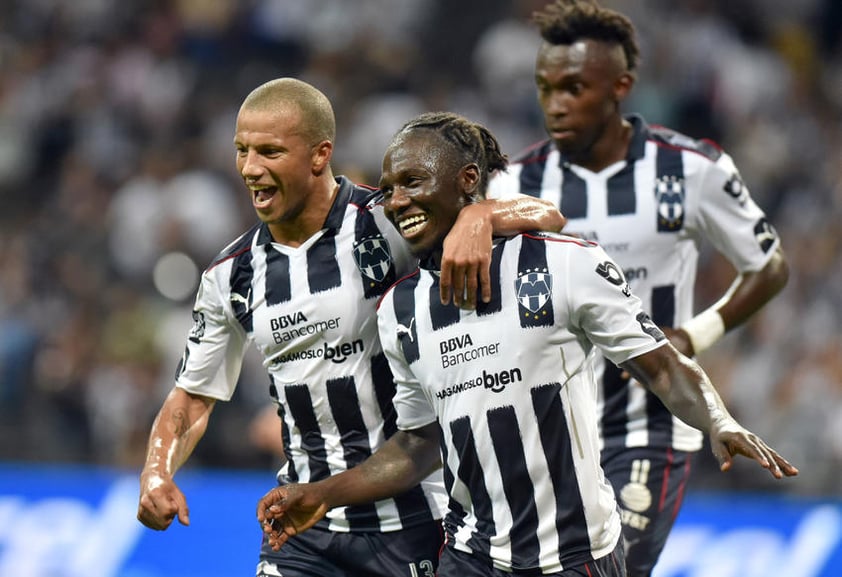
{"x": 262, "y": 196}
{"x": 412, "y": 225}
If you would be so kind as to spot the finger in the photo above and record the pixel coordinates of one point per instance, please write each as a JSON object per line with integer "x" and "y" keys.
{"x": 485, "y": 282}
{"x": 470, "y": 294}
{"x": 722, "y": 455}
{"x": 445, "y": 279}
{"x": 182, "y": 509}
{"x": 458, "y": 282}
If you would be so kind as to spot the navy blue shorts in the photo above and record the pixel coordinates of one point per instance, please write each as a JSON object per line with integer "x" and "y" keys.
{"x": 649, "y": 484}
{"x": 412, "y": 552}
{"x": 455, "y": 563}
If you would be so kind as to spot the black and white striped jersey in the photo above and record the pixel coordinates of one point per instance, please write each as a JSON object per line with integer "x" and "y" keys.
{"x": 311, "y": 312}
{"x": 650, "y": 212}
{"x": 512, "y": 387}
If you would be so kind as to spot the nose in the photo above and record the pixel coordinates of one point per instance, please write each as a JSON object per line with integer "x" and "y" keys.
{"x": 250, "y": 166}
{"x": 396, "y": 200}
{"x": 555, "y": 104}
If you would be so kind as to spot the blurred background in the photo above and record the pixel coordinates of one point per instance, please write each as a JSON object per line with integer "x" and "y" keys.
{"x": 117, "y": 187}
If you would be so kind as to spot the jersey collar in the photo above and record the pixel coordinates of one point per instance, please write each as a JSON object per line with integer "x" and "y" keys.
{"x": 334, "y": 218}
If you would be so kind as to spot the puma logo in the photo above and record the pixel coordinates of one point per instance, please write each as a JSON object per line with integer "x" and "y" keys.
{"x": 238, "y": 298}
{"x": 404, "y": 330}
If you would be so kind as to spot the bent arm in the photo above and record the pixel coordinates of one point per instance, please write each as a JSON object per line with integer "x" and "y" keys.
{"x": 406, "y": 459}
{"x": 686, "y": 391}
{"x": 747, "y": 294}
{"x": 181, "y": 422}
{"x": 397, "y": 466}
{"x": 466, "y": 256}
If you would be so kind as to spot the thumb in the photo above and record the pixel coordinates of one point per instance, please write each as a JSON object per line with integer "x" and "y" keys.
{"x": 183, "y": 512}
{"x": 722, "y": 454}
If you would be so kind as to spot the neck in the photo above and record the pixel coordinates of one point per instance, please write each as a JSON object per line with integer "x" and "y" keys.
{"x": 611, "y": 146}
{"x": 300, "y": 225}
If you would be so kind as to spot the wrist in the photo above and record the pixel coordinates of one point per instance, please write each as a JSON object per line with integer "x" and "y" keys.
{"x": 704, "y": 329}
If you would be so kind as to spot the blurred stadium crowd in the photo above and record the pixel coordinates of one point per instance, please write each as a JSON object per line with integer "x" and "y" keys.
{"x": 117, "y": 185}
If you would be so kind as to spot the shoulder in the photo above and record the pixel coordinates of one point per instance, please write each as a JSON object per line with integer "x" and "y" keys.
{"x": 535, "y": 154}
{"x": 404, "y": 284}
{"x": 242, "y": 245}
{"x": 669, "y": 138}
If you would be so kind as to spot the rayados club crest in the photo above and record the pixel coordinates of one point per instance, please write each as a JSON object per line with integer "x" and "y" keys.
{"x": 373, "y": 257}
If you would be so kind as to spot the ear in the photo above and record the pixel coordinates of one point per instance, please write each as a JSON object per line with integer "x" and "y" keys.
{"x": 469, "y": 178}
{"x": 322, "y": 152}
{"x": 623, "y": 86}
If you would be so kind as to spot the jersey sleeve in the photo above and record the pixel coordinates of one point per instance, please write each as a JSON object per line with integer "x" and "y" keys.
{"x": 605, "y": 310}
{"x": 732, "y": 221}
{"x": 215, "y": 347}
{"x": 411, "y": 403}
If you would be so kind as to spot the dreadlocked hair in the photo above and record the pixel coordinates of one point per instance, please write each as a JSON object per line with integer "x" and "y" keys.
{"x": 472, "y": 141}
{"x": 566, "y": 21}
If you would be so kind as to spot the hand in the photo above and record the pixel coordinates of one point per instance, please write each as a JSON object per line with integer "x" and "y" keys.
{"x": 728, "y": 438}
{"x": 466, "y": 258}
{"x": 160, "y": 502}
{"x": 289, "y": 510}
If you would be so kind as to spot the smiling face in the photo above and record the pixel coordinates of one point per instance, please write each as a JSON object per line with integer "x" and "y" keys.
{"x": 580, "y": 87}
{"x": 280, "y": 166}
{"x": 424, "y": 188}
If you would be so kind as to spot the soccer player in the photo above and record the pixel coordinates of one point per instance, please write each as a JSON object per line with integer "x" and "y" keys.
{"x": 649, "y": 196}
{"x": 504, "y": 395}
{"x": 302, "y": 287}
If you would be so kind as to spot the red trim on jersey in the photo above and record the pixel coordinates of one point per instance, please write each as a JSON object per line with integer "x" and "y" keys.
{"x": 666, "y": 479}
{"x": 680, "y": 496}
{"x": 571, "y": 239}
{"x": 229, "y": 257}
{"x": 394, "y": 284}
{"x": 687, "y": 149}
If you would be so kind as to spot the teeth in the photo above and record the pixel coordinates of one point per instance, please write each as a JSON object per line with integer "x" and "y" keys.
{"x": 413, "y": 224}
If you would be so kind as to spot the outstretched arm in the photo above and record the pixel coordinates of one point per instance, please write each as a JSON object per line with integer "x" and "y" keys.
{"x": 181, "y": 422}
{"x": 747, "y": 294}
{"x": 685, "y": 389}
{"x": 400, "y": 464}
{"x": 466, "y": 260}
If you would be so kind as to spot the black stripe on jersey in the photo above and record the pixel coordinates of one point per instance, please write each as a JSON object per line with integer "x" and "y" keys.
{"x": 441, "y": 315}
{"x": 471, "y": 474}
{"x": 496, "y": 303}
{"x": 384, "y": 390}
{"x": 663, "y": 305}
{"x": 372, "y": 255}
{"x": 615, "y": 399}
{"x": 571, "y": 523}
{"x": 534, "y": 285}
{"x": 278, "y": 283}
{"x": 345, "y": 408}
{"x": 285, "y": 438}
{"x": 312, "y": 442}
{"x": 574, "y": 194}
{"x": 404, "y": 301}
{"x": 322, "y": 265}
{"x": 242, "y": 275}
{"x": 517, "y": 484}
{"x": 533, "y": 165}
{"x": 622, "y": 194}
{"x": 669, "y": 189}
{"x": 663, "y": 314}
